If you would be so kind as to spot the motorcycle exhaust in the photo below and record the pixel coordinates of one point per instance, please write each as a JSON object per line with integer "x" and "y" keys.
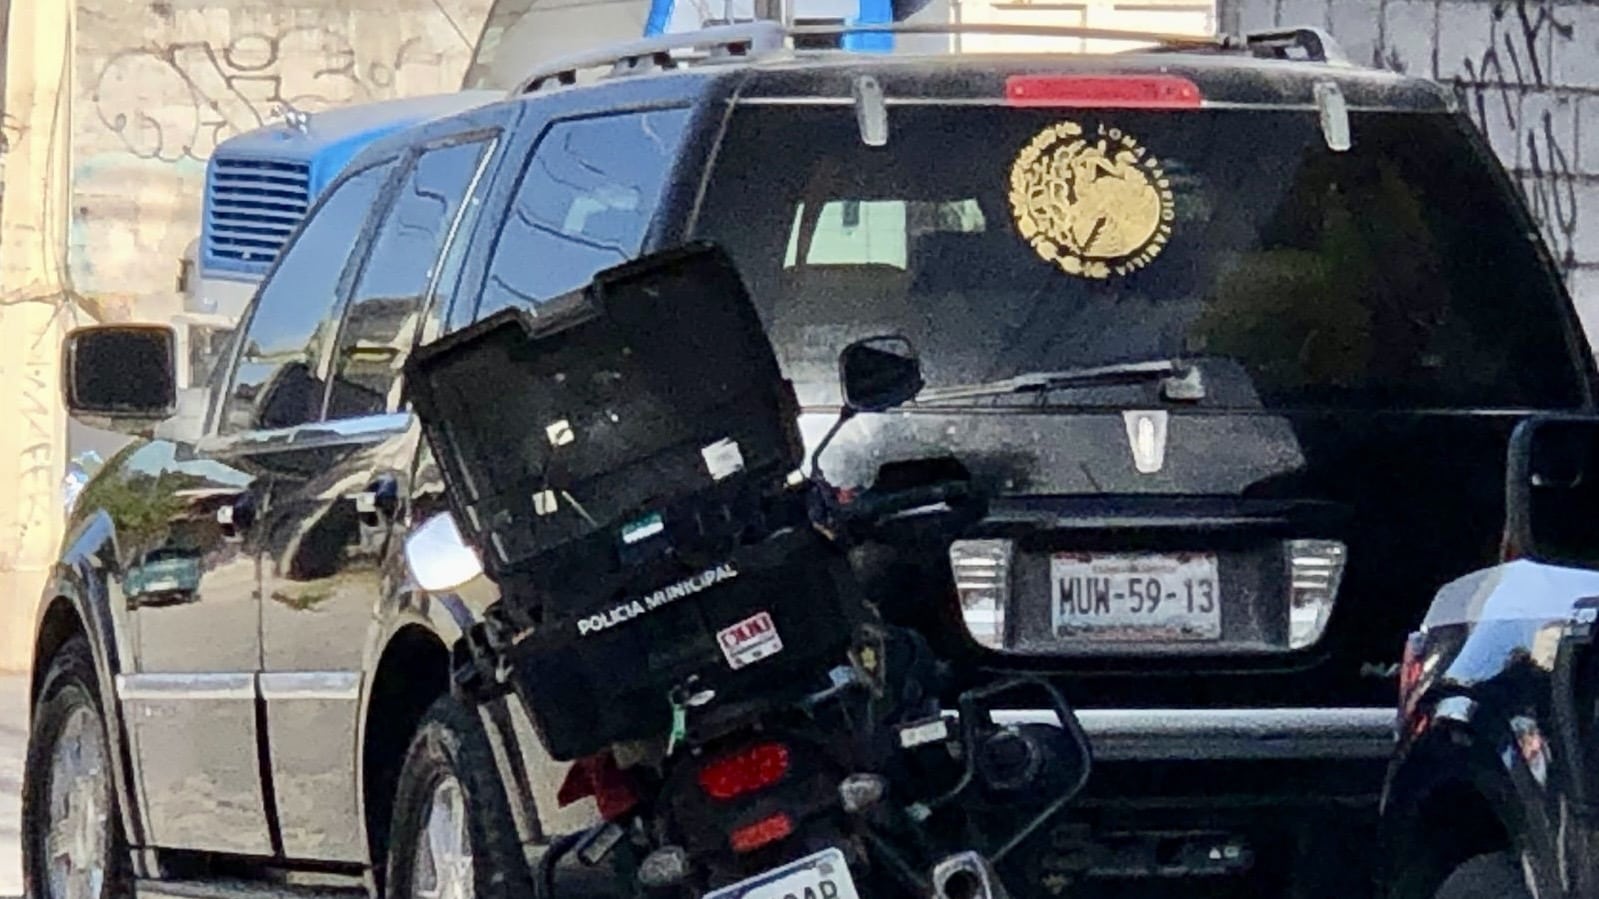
{"x": 967, "y": 875}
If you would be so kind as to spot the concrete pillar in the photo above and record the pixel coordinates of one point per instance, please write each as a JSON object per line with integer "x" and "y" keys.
{"x": 33, "y": 270}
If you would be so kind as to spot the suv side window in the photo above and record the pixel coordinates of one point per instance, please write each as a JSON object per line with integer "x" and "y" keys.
{"x": 276, "y": 384}
{"x": 584, "y": 204}
{"x": 391, "y": 294}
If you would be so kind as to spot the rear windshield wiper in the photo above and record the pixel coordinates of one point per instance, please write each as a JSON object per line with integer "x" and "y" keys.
{"x": 1179, "y": 381}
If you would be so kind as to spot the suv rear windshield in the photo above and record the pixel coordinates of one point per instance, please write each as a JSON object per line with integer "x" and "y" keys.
{"x": 1004, "y": 240}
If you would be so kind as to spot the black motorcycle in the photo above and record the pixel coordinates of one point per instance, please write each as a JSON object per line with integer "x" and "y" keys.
{"x": 686, "y": 619}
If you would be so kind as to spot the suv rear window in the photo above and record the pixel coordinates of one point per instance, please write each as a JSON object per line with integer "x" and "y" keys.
{"x": 1397, "y": 274}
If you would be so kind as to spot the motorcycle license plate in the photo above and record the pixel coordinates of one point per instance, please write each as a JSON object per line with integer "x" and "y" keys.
{"x": 824, "y": 875}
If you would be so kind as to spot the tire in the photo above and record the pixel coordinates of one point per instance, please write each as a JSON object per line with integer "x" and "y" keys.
{"x": 449, "y": 775}
{"x": 72, "y": 841}
{"x": 1493, "y": 876}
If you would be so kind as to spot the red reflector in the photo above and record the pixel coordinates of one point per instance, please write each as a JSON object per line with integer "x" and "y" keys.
{"x": 1410, "y": 667}
{"x": 744, "y": 771}
{"x": 762, "y": 833}
{"x": 599, "y": 777}
{"x": 1111, "y": 91}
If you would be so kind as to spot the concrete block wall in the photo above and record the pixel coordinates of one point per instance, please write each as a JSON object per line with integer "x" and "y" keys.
{"x": 158, "y": 83}
{"x": 1528, "y": 72}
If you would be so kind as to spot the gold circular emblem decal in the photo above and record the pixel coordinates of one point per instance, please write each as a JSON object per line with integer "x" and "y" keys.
{"x": 1096, "y": 204}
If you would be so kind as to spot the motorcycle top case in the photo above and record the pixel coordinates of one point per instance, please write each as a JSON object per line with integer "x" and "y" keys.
{"x": 651, "y": 386}
{"x": 619, "y": 456}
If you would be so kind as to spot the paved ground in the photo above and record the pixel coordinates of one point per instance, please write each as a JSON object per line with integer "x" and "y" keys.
{"x": 13, "y": 739}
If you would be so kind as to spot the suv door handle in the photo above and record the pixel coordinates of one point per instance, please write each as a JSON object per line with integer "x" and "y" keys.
{"x": 379, "y": 501}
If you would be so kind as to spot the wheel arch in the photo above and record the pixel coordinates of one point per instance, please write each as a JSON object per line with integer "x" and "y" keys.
{"x": 1445, "y": 807}
{"x": 412, "y": 670}
{"x": 77, "y": 602}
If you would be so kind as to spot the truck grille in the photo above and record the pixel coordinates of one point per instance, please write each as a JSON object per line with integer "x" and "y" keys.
{"x": 251, "y": 209}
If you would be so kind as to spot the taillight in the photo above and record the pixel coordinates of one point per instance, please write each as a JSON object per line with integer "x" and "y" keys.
{"x": 598, "y": 776}
{"x": 1315, "y": 569}
{"x": 1103, "y": 91}
{"x": 762, "y": 833}
{"x": 982, "y": 571}
{"x": 1411, "y": 667}
{"x": 745, "y": 771}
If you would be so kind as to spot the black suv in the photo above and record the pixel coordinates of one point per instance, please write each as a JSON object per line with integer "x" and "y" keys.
{"x": 1235, "y": 333}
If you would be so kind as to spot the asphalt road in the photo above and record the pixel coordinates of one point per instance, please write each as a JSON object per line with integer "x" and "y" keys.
{"x": 13, "y": 743}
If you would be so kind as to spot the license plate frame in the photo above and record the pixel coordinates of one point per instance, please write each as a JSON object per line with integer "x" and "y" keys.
{"x": 800, "y": 879}
{"x": 1101, "y": 597}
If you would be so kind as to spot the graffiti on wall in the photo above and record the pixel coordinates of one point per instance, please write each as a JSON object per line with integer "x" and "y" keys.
{"x": 1525, "y": 72}
{"x": 179, "y": 100}
{"x": 1521, "y": 39}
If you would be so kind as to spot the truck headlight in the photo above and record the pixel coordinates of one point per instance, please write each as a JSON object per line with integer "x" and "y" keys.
{"x": 1315, "y": 568}
{"x": 982, "y": 581}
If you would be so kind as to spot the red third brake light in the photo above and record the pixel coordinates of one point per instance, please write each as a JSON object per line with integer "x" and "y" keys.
{"x": 745, "y": 771}
{"x": 1103, "y": 91}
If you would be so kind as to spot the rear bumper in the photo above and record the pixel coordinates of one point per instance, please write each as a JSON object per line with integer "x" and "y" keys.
{"x": 1229, "y": 734}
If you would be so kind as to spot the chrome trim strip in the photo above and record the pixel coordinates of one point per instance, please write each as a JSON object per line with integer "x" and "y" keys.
{"x": 1235, "y": 734}
{"x": 235, "y": 889}
{"x": 343, "y": 686}
{"x": 359, "y": 431}
{"x": 185, "y": 687}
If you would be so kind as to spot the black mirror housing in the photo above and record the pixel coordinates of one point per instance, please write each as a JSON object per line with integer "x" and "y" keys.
{"x": 1552, "y": 491}
{"x": 122, "y": 377}
{"x": 879, "y": 373}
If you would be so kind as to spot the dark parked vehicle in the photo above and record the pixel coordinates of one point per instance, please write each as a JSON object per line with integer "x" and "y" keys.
{"x": 1492, "y": 788}
{"x": 1234, "y": 334}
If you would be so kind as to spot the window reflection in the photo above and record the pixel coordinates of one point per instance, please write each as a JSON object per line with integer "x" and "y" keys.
{"x": 390, "y": 297}
{"x": 275, "y": 384}
{"x": 584, "y": 204}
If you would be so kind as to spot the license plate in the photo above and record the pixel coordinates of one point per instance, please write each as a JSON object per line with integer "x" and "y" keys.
{"x": 1135, "y": 597}
{"x": 824, "y": 875}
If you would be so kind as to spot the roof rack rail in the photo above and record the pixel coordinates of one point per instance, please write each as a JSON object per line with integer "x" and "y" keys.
{"x": 1302, "y": 43}
{"x": 753, "y": 38}
{"x": 656, "y": 53}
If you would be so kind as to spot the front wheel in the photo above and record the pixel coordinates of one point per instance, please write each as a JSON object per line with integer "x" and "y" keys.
{"x": 453, "y": 836}
{"x": 72, "y": 844}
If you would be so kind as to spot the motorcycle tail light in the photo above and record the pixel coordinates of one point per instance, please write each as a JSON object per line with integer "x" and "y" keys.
{"x": 1315, "y": 569}
{"x": 745, "y": 771}
{"x": 762, "y": 833}
{"x": 982, "y": 581}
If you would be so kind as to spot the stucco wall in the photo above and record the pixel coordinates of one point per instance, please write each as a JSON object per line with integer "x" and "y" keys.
{"x": 1528, "y": 71}
{"x": 158, "y": 83}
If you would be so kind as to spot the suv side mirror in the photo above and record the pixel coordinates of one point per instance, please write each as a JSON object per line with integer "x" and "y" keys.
{"x": 1552, "y": 491}
{"x": 121, "y": 377}
{"x": 879, "y": 373}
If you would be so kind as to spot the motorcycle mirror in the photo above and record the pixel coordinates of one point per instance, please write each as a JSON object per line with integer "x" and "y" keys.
{"x": 875, "y": 374}
{"x": 438, "y": 558}
{"x": 879, "y": 373}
